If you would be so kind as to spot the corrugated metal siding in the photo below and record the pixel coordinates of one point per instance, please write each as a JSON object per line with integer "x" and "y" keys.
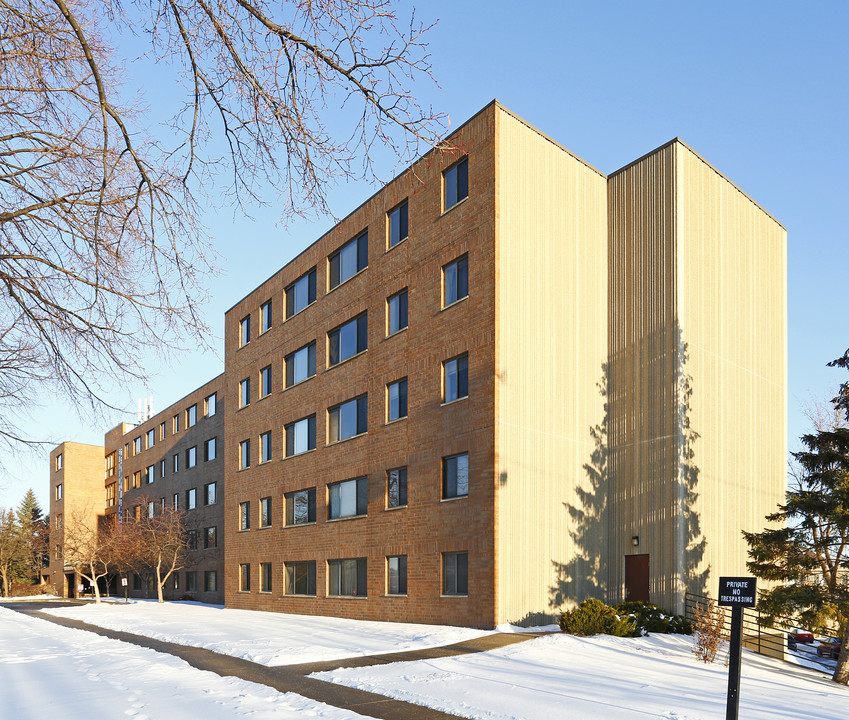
{"x": 552, "y": 296}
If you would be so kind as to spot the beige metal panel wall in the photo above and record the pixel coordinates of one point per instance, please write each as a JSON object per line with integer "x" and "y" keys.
{"x": 551, "y": 240}
{"x": 643, "y": 336}
{"x": 731, "y": 268}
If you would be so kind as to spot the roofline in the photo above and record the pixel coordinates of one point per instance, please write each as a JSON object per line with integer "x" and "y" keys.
{"x": 679, "y": 141}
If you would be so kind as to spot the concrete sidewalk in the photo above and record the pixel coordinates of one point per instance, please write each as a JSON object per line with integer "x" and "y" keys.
{"x": 293, "y": 678}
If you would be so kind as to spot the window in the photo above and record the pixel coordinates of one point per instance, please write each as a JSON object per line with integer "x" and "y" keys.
{"x": 300, "y": 365}
{"x": 162, "y": 431}
{"x": 300, "y": 436}
{"x": 137, "y": 512}
{"x": 348, "y": 419}
{"x": 347, "y": 340}
{"x": 151, "y": 438}
{"x": 162, "y": 468}
{"x": 210, "y": 537}
{"x": 455, "y": 281}
{"x": 456, "y": 183}
{"x": 244, "y": 577}
{"x": 192, "y": 456}
{"x": 300, "y": 293}
{"x": 265, "y": 381}
{"x": 245, "y": 392}
{"x": 210, "y": 493}
{"x": 149, "y": 476}
{"x": 111, "y": 494}
{"x": 210, "y": 405}
{"x": 151, "y": 508}
{"x": 191, "y": 581}
{"x": 397, "y": 224}
{"x": 137, "y": 445}
{"x": 59, "y": 460}
{"x": 191, "y": 498}
{"x": 175, "y": 501}
{"x": 348, "y": 260}
{"x": 455, "y": 476}
{"x": 110, "y": 465}
{"x": 192, "y": 416}
{"x": 244, "y": 331}
{"x": 397, "y": 308}
{"x": 300, "y": 578}
{"x": 396, "y": 400}
{"x": 210, "y": 449}
{"x": 59, "y": 491}
{"x": 396, "y": 487}
{"x": 59, "y": 521}
{"x": 137, "y": 479}
{"x": 192, "y": 539}
{"x": 396, "y": 575}
{"x": 265, "y": 512}
{"x": 137, "y": 583}
{"x": 347, "y": 577}
{"x": 300, "y": 507}
{"x": 175, "y": 462}
{"x": 456, "y": 378}
{"x": 348, "y": 498}
{"x": 265, "y": 447}
{"x": 176, "y": 585}
{"x": 176, "y": 423}
{"x": 455, "y": 573}
{"x": 245, "y": 516}
{"x": 126, "y": 483}
{"x": 244, "y": 454}
{"x": 265, "y": 577}
{"x": 210, "y": 581}
{"x": 127, "y": 450}
{"x": 265, "y": 317}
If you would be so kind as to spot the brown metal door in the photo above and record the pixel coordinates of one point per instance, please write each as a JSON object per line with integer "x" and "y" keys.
{"x": 637, "y": 578}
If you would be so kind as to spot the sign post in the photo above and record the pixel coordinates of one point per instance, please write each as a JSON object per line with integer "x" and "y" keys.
{"x": 124, "y": 583}
{"x": 736, "y": 593}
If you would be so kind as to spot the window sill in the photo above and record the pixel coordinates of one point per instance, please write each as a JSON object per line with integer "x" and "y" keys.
{"x": 298, "y": 595}
{"x": 395, "y": 595}
{"x": 392, "y": 247}
{"x": 452, "y": 402}
{"x": 455, "y": 596}
{"x": 346, "y": 597}
{"x": 303, "y": 309}
{"x": 243, "y": 530}
{"x": 265, "y": 527}
{"x": 346, "y": 519}
{"x": 263, "y": 397}
{"x": 300, "y": 454}
{"x": 397, "y": 332}
{"x": 242, "y": 469}
{"x": 298, "y": 525}
{"x": 346, "y": 360}
{"x": 396, "y": 420}
{"x": 264, "y": 462}
{"x": 455, "y": 303}
{"x": 345, "y": 281}
{"x": 395, "y": 507}
{"x": 455, "y": 205}
{"x": 348, "y": 439}
{"x": 300, "y": 382}
{"x": 452, "y": 499}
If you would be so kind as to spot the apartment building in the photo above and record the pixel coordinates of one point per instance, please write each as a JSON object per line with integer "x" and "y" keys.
{"x": 504, "y": 383}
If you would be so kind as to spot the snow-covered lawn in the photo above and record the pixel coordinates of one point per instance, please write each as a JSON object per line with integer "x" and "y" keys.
{"x": 48, "y": 670}
{"x": 263, "y": 637}
{"x": 560, "y": 676}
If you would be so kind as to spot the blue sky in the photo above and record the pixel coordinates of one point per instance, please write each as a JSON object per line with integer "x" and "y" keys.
{"x": 759, "y": 89}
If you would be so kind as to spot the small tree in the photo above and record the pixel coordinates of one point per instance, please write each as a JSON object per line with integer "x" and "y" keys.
{"x": 13, "y": 550}
{"x": 162, "y": 543}
{"x": 34, "y": 529}
{"x": 708, "y": 631}
{"x": 93, "y": 546}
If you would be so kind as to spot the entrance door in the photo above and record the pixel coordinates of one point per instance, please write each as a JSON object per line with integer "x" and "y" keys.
{"x": 637, "y": 578}
{"x": 69, "y": 584}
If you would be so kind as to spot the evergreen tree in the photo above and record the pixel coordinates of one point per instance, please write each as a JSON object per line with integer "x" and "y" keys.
{"x": 12, "y": 550}
{"x": 806, "y": 557}
{"x": 34, "y": 528}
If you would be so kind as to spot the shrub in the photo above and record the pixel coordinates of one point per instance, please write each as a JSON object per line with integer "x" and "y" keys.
{"x": 26, "y": 590}
{"x": 593, "y": 617}
{"x": 709, "y": 630}
{"x": 650, "y": 618}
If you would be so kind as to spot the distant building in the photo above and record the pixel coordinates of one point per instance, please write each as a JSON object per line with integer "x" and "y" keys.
{"x": 504, "y": 383}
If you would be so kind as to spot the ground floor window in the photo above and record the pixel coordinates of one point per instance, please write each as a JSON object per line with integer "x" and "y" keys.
{"x": 396, "y": 575}
{"x": 210, "y": 581}
{"x": 244, "y": 577}
{"x": 300, "y": 578}
{"x": 347, "y": 577}
{"x": 265, "y": 577}
{"x": 191, "y": 581}
{"x": 455, "y": 573}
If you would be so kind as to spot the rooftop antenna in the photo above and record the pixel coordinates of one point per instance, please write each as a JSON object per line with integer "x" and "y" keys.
{"x": 145, "y": 409}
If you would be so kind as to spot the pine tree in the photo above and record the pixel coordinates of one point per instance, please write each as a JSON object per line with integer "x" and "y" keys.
{"x": 34, "y": 528}
{"x": 12, "y": 550}
{"x": 807, "y": 556}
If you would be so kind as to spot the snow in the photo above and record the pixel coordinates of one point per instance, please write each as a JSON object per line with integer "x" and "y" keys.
{"x": 589, "y": 678}
{"x": 51, "y": 670}
{"x": 263, "y": 637}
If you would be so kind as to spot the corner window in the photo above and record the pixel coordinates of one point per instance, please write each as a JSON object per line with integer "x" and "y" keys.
{"x": 455, "y": 476}
{"x": 347, "y": 340}
{"x": 210, "y": 493}
{"x": 210, "y": 405}
{"x": 456, "y": 183}
{"x": 348, "y": 260}
{"x": 348, "y": 498}
{"x": 245, "y": 393}
{"x": 210, "y": 449}
{"x": 348, "y": 419}
{"x": 191, "y": 457}
{"x": 244, "y": 577}
{"x": 397, "y": 218}
{"x": 265, "y": 317}
{"x": 300, "y": 365}
{"x": 244, "y": 454}
{"x": 265, "y": 512}
{"x": 300, "y": 507}
{"x": 59, "y": 460}
{"x": 265, "y": 381}
{"x": 348, "y": 577}
{"x": 245, "y": 516}
{"x": 192, "y": 416}
{"x": 397, "y": 311}
{"x": 396, "y": 575}
{"x": 210, "y": 538}
{"x": 265, "y": 446}
{"x": 244, "y": 331}
{"x": 455, "y": 281}
{"x": 455, "y": 573}
{"x": 300, "y": 436}
{"x": 191, "y": 498}
{"x": 396, "y": 487}
{"x": 396, "y": 400}
{"x": 265, "y": 576}
{"x": 455, "y": 378}
{"x": 300, "y": 578}
{"x": 300, "y": 293}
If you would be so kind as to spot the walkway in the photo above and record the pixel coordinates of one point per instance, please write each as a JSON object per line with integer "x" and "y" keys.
{"x": 293, "y": 678}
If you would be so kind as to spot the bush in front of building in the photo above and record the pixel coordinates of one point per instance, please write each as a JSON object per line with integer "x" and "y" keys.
{"x": 649, "y": 618}
{"x": 593, "y": 617}
{"x": 26, "y": 590}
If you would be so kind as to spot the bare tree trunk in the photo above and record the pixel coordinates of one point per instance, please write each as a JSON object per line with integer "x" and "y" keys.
{"x": 841, "y": 672}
